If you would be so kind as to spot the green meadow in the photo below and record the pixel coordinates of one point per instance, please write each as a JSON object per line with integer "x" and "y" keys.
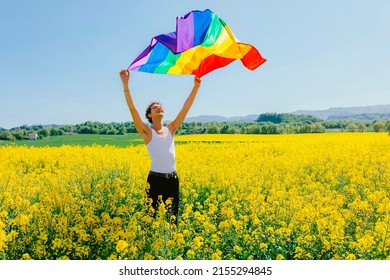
{"x": 80, "y": 140}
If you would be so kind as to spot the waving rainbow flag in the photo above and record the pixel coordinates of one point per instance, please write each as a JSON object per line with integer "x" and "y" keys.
{"x": 202, "y": 43}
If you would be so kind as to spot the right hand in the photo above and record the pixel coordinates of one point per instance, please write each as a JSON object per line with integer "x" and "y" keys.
{"x": 197, "y": 82}
{"x": 125, "y": 75}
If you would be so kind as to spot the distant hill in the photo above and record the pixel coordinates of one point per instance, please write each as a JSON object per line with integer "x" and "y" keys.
{"x": 364, "y": 113}
{"x": 212, "y": 118}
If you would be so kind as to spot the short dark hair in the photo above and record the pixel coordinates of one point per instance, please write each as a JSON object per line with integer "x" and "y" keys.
{"x": 149, "y": 110}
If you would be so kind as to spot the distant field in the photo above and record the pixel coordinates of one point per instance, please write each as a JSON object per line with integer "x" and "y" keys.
{"x": 81, "y": 140}
{"x": 132, "y": 139}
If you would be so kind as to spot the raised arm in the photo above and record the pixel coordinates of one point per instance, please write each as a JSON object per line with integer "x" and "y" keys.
{"x": 141, "y": 127}
{"x": 176, "y": 123}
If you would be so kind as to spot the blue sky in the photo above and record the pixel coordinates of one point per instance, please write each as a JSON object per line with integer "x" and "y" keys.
{"x": 59, "y": 60}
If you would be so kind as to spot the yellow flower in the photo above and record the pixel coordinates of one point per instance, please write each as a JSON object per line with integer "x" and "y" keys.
{"x": 26, "y": 257}
{"x": 3, "y": 214}
{"x": 121, "y": 245}
{"x": 148, "y": 256}
{"x": 190, "y": 254}
{"x": 263, "y": 247}
{"x": 179, "y": 239}
{"x": 57, "y": 243}
{"x": 197, "y": 242}
{"x": 237, "y": 249}
{"x": 11, "y": 235}
{"x": 224, "y": 226}
{"x": 24, "y": 220}
{"x": 171, "y": 243}
{"x": 215, "y": 239}
{"x": 217, "y": 255}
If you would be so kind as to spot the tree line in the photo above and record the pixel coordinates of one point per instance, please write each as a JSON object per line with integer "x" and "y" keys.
{"x": 268, "y": 123}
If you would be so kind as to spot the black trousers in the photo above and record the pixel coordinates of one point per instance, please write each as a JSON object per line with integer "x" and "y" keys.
{"x": 164, "y": 188}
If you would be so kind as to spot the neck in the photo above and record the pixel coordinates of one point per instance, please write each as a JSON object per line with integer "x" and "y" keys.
{"x": 157, "y": 124}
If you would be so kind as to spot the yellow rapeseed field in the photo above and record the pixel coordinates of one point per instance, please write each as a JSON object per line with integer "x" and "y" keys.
{"x": 323, "y": 196}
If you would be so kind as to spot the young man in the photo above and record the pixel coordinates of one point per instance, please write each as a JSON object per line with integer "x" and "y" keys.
{"x": 163, "y": 180}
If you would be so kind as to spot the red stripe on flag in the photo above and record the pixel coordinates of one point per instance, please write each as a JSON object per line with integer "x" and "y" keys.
{"x": 252, "y": 59}
{"x": 211, "y": 63}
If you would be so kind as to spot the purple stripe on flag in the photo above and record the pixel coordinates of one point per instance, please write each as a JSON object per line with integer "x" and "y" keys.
{"x": 169, "y": 40}
{"x": 185, "y": 32}
{"x": 137, "y": 64}
{"x": 145, "y": 53}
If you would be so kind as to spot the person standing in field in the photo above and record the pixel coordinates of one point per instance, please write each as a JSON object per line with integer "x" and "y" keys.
{"x": 162, "y": 179}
